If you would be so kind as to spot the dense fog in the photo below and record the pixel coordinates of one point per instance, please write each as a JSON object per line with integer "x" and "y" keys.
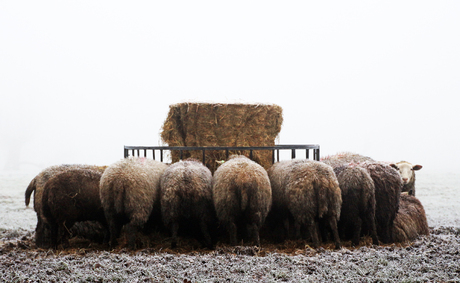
{"x": 81, "y": 79}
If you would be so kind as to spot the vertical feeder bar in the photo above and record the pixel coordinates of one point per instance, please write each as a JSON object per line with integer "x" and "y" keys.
{"x": 204, "y": 156}
{"x": 126, "y": 152}
{"x": 307, "y": 153}
{"x": 161, "y": 155}
{"x": 153, "y": 154}
{"x": 250, "y": 154}
{"x": 293, "y": 153}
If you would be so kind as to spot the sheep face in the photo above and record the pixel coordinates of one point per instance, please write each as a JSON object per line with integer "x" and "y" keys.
{"x": 406, "y": 170}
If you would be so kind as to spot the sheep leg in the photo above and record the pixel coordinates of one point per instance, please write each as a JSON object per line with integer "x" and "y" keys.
{"x": 335, "y": 231}
{"x": 253, "y": 227}
{"x": 206, "y": 235}
{"x": 232, "y": 230}
{"x": 106, "y": 235}
{"x": 312, "y": 227}
{"x": 53, "y": 232}
{"x": 64, "y": 233}
{"x": 357, "y": 231}
{"x": 115, "y": 230}
{"x": 385, "y": 234}
{"x": 63, "y": 236}
{"x": 253, "y": 231}
{"x": 174, "y": 229}
{"x": 132, "y": 229}
{"x": 42, "y": 234}
{"x": 297, "y": 226}
{"x": 370, "y": 220}
{"x": 390, "y": 232}
{"x": 286, "y": 234}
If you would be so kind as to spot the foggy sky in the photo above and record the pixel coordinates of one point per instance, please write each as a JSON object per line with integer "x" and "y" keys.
{"x": 80, "y": 79}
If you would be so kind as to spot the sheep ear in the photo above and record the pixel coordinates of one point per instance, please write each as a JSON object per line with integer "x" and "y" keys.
{"x": 417, "y": 167}
{"x": 394, "y": 166}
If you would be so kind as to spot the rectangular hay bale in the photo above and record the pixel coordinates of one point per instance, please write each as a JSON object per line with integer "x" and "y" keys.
{"x": 215, "y": 124}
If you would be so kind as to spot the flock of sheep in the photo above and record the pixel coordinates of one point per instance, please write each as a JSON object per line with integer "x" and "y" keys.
{"x": 344, "y": 196}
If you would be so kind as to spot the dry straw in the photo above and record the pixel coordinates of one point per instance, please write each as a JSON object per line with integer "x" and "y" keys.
{"x": 214, "y": 124}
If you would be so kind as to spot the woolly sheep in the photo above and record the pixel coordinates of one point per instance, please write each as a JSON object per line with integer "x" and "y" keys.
{"x": 186, "y": 194}
{"x": 93, "y": 231}
{"x": 129, "y": 191}
{"x": 279, "y": 212}
{"x": 36, "y": 186}
{"x": 241, "y": 194}
{"x": 407, "y": 171}
{"x": 309, "y": 190}
{"x": 343, "y": 158}
{"x": 358, "y": 202}
{"x": 70, "y": 197}
{"x": 388, "y": 184}
{"x": 410, "y": 221}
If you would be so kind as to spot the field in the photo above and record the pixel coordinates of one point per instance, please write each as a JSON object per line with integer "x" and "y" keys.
{"x": 434, "y": 258}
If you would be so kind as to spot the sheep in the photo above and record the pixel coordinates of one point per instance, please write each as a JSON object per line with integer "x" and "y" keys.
{"x": 410, "y": 221}
{"x": 407, "y": 171}
{"x": 36, "y": 186}
{"x": 241, "y": 194}
{"x": 70, "y": 197}
{"x": 358, "y": 202}
{"x": 186, "y": 194}
{"x": 345, "y": 158}
{"x": 129, "y": 191}
{"x": 309, "y": 190}
{"x": 94, "y": 231}
{"x": 279, "y": 212}
{"x": 388, "y": 184}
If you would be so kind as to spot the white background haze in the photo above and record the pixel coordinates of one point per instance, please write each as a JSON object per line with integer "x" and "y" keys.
{"x": 80, "y": 79}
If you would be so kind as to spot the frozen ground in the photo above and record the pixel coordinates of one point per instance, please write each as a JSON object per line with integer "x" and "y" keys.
{"x": 434, "y": 258}
{"x": 430, "y": 259}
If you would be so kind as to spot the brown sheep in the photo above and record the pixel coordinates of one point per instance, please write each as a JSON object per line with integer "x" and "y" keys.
{"x": 129, "y": 192}
{"x": 36, "y": 186}
{"x": 358, "y": 202}
{"x": 407, "y": 171}
{"x": 410, "y": 221}
{"x": 309, "y": 190}
{"x": 186, "y": 195}
{"x": 70, "y": 197}
{"x": 241, "y": 194}
{"x": 388, "y": 184}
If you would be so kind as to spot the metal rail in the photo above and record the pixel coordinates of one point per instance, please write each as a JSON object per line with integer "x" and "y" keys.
{"x": 227, "y": 149}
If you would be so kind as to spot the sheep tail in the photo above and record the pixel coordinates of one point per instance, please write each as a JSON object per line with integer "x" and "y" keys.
{"x": 31, "y": 188}
{"x": 244, "y": 197}
{"x": 119, "y": 196}
{"x": 322, "y": 199}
